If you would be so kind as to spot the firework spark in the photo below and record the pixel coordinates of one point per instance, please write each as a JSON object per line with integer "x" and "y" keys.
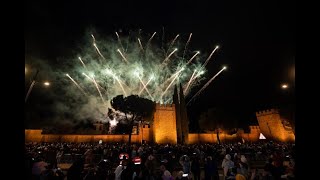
{"x": 82, "y": 63}
{"x": 168, "y": 57}
{"x": 206, "y": 85}
{"x": 198, "y": 52}
{"x": 185, "y": 47}
{"x": 207, "y": 60}
{"x": 140, "y": 44}
{"x": 171, "y": 44}
{"x": 151, "y": 38}
{"x": 81, "y": 89}
{"x": 120, "y": 41}
{"x": 124, "y": 58}
{"x": 191, "y": 78}
{"x": 95, "y": 45}
{"x": 96, "y": 84}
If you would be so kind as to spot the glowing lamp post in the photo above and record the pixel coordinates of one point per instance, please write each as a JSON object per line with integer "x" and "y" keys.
{"x": 46, "y": 84}
{"x": 284, "y": 86}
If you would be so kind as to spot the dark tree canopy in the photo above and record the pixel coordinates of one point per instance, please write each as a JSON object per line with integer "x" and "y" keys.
{"x": 135, "y": 109}
{"x": 138, "y": 108}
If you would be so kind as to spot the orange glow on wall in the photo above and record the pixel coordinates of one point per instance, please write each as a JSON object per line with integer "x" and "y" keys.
{"x": 36, "y": 136}
{"x": 163, "y": 130}
{"x": 164, "y": 127}
{"x": 272, "y": 126}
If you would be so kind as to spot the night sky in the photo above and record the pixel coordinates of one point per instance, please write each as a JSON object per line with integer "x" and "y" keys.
{"x": 257, "y": 41}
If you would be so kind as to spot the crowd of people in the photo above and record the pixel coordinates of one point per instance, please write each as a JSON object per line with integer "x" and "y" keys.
{"x": 121, "y": 161}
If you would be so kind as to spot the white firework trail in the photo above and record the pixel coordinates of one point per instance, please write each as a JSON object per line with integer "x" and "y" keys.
{"x": 171, "y": 44}
{"x": 96, "y": 84}
{"x": 207, "y": 60}
{"x": 191, "y": 78}
{"x": 81, "y": 89}
{"x": 140, "y": 44}
{"x": 82, "y": 63}
{"x": 120, "y": 41}
{"x": 145, "y": 86}
{"x": 95, "y": 45}
{"x": 185, "y": 47}
{"x": 168, "y": 57}
{"x": 198, "y": 52}
{"x": 124, "y": 58}
{"x": 206, "y": 85}
{"x": 151, "y": 38}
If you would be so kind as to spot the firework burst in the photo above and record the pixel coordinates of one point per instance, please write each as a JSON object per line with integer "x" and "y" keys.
{"x": 143, "y": 68}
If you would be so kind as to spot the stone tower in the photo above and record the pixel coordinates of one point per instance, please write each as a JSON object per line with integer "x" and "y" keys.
{"x": 272, "y": 127}
{"x": 164, "y": 127}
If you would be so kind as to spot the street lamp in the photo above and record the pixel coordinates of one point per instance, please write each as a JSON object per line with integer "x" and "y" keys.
{"x": 46, "y": 83}
{"x": 284, "y": 86}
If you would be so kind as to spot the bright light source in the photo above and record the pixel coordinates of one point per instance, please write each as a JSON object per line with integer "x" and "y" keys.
{"x": 217, "y": 46}
{"x": 284, "y": 86}
{"x": 224, "y": 67}
{"x": 46, "y": 83}
{"x": 25, "y": 70}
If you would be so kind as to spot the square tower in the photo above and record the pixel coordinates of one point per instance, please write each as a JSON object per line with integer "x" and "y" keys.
{"x": 165, "y": 130}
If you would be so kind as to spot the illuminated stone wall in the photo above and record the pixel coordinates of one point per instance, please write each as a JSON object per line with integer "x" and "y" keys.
{"x": 210, "y": 138}
{"x": 272, "y": 127}
{"x": 146, "y": 133}
{"x": 33, "y": 135}
{"x": 164, "y": 130}
{"x": 36, "y": 136}
{"x": 253, "y": 136}
{"x": 164, "y": 126}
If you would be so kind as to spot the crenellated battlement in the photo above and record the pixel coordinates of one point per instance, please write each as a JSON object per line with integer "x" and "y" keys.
{"x": 169, "y": 107}
{"x": 272, "y": 127}
{"x": 146, "y": 126}
{"x": 267, "y": 112}
{"x": 254, "y": 127}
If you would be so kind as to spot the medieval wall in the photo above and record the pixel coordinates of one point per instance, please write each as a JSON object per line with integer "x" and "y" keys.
{"x": 164, "y": 130}
{"x": 36, "y": 136}
{"x": 33, "y": 135}
{"x": 272, "y": 127}
{"x": 146, "y": 133}
{"x": 210, "y": 138}
{"x": 253, "y": 136}
{"x": 164, "y": 126}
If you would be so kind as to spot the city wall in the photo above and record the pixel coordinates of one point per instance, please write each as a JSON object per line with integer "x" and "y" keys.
{"x": 164, "y": 130}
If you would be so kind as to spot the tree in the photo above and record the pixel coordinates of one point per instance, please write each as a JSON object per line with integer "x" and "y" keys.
{"x": 135, "y": 109}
